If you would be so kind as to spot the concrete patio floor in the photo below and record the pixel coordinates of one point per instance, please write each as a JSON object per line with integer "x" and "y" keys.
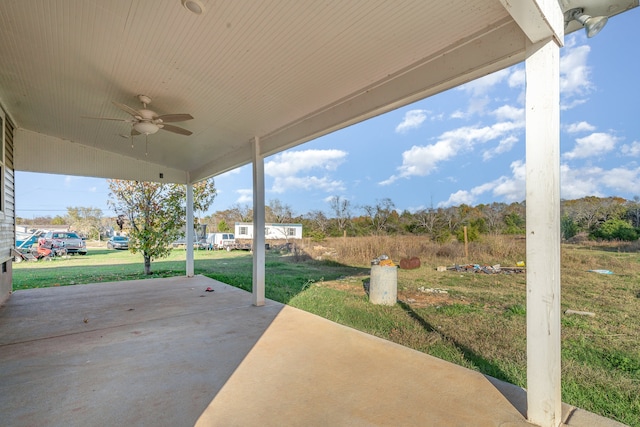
{"x": 163, "y": 352}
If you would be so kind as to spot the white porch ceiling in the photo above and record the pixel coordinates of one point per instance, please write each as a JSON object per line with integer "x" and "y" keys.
{"x": 285, "y": 71}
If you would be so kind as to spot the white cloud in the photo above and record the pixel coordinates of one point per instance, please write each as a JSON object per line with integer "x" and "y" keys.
{"x": 592, "y": 145}
{"x": 592, "y": 181}
{"x": 288, "y": 183}
{"x": 577, "y": 183}
{"x": 458, "y": 198}
{"x": 509, "y": 112}
{"x": 569, "y": 105}
{"x": 505, "y": 145}
{"x": 574, "y": 72}
{"x": 423, "y": 160}
{"x": 510, "y": 189}
{"x": 619, "y": 179}
{"x": 291, "y": 170}
{"x": 575, "y": 81}
{"x": 580, "y": 127}
{"x": 292, "y": 162}
{"x": 412, "y": 120}
{"x": 632, "y": 149}
{"x": 484, "y": 84}
{"x": 480, "y": 89}
{"x": 517, "y": 78}
{"x": 245, "y": 195}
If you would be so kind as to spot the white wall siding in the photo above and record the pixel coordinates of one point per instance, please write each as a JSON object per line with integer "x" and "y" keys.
{"x": 7, "y": 215}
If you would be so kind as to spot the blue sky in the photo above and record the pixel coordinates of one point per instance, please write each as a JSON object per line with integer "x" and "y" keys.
{"x": 462, "y": 146}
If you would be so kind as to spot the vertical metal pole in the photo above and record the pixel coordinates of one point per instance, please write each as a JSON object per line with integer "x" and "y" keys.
{"x": 258, "y": 225}
{"x": 544, "y": 400}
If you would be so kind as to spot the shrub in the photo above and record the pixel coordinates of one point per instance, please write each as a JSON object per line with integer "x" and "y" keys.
{"x": 615, "y": 229}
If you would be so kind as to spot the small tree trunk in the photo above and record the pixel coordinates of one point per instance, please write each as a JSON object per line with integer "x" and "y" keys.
{"x": 147, "y": 265}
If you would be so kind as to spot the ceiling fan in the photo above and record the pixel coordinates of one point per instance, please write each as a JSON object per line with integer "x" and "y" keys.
{"x": 146, "y": 122}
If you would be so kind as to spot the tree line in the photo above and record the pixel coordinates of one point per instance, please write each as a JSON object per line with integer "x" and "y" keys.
{"x": 604, "y": 218}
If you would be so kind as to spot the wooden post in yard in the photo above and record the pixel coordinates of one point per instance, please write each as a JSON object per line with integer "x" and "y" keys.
{"x": 466, "y": 243}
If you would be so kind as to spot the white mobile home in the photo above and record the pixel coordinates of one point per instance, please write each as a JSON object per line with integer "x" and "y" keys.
{"x": 244, "y": 230}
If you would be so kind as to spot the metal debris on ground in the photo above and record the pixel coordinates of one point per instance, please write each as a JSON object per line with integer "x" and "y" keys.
{"x": 432, "y": 290}
{"x": 486, "y": 269}
{"x": 384, "y": 261}
{"x": 601, "y": 271}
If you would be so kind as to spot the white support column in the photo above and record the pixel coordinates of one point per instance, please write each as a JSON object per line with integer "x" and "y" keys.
{"x": 258, "y": 225}
{"x": 544, "y": 400}
{"x": 189, "y": 230}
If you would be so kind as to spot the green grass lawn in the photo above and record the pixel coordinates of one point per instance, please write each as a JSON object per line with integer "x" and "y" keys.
{"x": 478, "y": 323}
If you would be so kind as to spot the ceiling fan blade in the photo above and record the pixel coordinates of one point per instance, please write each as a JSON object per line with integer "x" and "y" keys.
{"x": 168, "y": 118}
{"x": 107, "y": 118}
{"x": 126, "y": 109}
{"x": 176, "y": 129}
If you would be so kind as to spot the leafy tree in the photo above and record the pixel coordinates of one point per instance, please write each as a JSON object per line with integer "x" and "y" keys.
{"x": 223, "y": 226}
{"x": 473, "y": 234}
{"x": 87, "y": 221}
{"x": 156, "y": 213}
{"x": 58, "y": 220}
{"x": 515, "y": 223}
{"x": 633, "y": 211}
{"x": 568, "y": 227}
{"x": 615, "y": 229}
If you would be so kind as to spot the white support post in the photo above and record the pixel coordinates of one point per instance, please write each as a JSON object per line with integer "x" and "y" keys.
{"x": 258, "y": 225}
{"x": 189, "y": 230}
{"x": 544, "y": 400}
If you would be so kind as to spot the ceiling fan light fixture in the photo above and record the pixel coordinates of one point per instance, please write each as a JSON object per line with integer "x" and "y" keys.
{"x": 193, "y": 6}
{"x": 146, "y": 128}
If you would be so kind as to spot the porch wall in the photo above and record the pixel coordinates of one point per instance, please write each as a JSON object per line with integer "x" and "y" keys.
{"x": 7, "y": 207}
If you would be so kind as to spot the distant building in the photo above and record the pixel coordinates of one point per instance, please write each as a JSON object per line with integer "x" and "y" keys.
{"x": 273, "y": 231}
{"x": 22, "y": 228}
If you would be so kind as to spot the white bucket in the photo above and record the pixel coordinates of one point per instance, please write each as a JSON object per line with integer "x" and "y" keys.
{"x": 383, "y": 286}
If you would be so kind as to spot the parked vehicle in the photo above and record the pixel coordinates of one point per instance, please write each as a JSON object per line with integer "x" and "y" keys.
{"x": 220, "y": 240}
{"x": 118, "y": 242}
{"x": 69, "y": 241}
{"x": 198, "y": 244}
